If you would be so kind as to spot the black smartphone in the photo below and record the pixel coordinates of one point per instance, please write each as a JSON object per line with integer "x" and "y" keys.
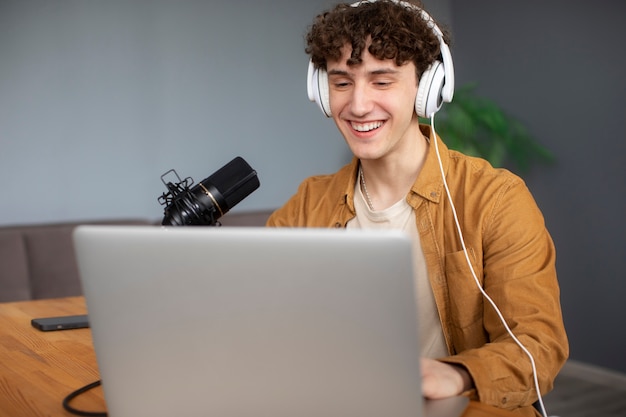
{"x": 60, "y": 323}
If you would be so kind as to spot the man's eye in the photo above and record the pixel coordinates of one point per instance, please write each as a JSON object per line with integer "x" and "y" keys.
{"x": 341, "y": 84}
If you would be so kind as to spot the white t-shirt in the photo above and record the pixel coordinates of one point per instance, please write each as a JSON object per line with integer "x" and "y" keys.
{"x": 401, "y": 216}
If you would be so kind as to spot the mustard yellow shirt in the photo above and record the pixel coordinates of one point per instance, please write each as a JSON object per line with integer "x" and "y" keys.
{"x": 512, "y": 254}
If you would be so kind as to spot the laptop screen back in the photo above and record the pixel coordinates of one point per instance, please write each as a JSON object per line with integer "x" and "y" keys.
{"x": 252, "y": 321}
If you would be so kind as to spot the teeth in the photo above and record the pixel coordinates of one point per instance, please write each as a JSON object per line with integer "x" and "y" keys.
{"x": 366, "y": 127}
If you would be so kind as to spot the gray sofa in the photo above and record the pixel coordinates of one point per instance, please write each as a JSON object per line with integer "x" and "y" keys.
{"x": 37, "y": 261}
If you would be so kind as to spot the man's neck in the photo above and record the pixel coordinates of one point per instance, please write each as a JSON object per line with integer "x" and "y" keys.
{"x": 389, "y": 179}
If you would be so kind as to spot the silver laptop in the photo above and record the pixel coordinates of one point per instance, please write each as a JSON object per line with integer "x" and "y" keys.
{"x": 210, "y": 321}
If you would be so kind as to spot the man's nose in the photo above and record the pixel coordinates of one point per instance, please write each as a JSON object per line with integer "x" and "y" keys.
{"x": 361, "y": 100}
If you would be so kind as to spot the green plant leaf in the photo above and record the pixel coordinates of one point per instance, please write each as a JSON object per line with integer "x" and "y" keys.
{"x": 477, "y": 126}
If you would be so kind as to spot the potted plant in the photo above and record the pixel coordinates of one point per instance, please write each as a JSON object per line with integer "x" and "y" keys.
{"x": 477, "y": 126}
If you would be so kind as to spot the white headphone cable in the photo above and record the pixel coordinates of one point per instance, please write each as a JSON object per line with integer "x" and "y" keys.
{"x": 469, "y": 263}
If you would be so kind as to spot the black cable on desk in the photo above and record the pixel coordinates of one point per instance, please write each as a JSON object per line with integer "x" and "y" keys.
{"x": 70, "y": 397}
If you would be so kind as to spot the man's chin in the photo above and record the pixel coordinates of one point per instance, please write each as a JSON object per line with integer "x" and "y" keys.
{"x": 362, "y": 149}
{"x": 365, "y": 156}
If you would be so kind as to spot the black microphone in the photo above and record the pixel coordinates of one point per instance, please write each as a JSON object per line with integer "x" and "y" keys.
{"x": 209, "y": 200}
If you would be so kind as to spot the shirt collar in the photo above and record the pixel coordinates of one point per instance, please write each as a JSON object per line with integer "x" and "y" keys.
{"x": 349, "y": 192}
{"x": 429, "y": 184}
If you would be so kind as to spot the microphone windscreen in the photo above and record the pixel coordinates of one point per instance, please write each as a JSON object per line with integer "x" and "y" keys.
{"x": 232, "y": 183}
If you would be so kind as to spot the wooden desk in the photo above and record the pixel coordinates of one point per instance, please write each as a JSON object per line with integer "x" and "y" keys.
{"x": 39, "y": 369}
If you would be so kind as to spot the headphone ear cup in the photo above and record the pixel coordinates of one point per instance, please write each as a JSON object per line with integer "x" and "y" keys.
{"x": 428, "y": 100}
{"x": 317, "y": 88}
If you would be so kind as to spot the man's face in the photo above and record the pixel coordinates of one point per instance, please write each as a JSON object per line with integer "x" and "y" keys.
{"x": 373, "y": 104}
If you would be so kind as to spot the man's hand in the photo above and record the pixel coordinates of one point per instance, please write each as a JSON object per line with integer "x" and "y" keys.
{"x": 442, "y": 380}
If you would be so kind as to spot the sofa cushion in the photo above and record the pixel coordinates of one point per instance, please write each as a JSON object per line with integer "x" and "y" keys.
{"x": 14, "y": 274}
{"x": 246, "y": 218}
{"x": 51, "y": 262}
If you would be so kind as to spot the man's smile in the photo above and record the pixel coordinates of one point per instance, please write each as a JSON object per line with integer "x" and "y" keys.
{"x": 366, "y": 127}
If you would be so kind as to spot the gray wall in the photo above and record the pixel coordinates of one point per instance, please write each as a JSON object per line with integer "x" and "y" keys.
{"x": 99, "y": 98}
{"x": 559, "y": 66}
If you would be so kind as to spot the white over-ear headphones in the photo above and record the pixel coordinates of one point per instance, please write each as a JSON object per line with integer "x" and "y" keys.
{"x": 435, "y": 87}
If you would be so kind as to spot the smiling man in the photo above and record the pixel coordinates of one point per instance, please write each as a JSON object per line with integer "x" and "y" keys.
{"x": 375, "y": 66}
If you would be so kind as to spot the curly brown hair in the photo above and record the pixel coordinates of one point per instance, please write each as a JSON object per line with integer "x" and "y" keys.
{"x": 397, "y": 32}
